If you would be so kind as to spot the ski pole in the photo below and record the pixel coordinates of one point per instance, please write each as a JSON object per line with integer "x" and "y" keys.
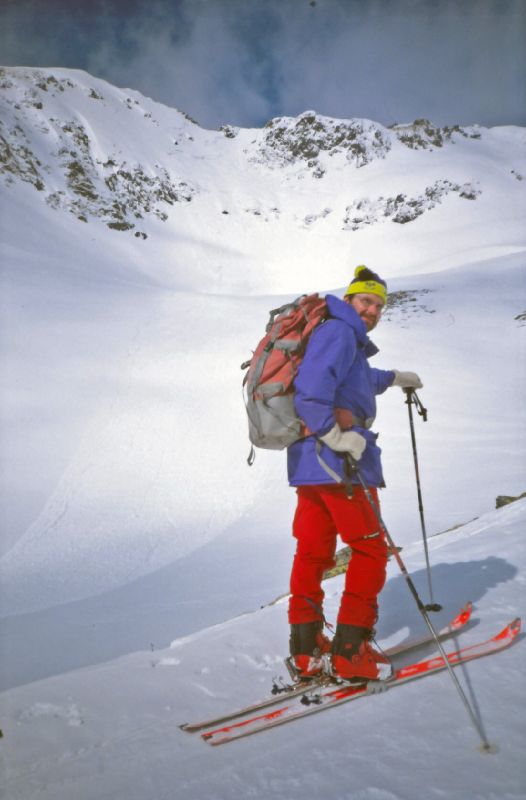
{"x": 412, "y": 397}
{"x": 353, "y": 467}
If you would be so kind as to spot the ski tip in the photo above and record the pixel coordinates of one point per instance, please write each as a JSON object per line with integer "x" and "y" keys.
{"x": 511, "y": 631}
{"x": 464, "y": 615}
{"x": 191, "y": 727}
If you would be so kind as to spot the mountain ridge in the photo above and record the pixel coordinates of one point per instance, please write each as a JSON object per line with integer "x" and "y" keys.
{"x": 52, "y": 139}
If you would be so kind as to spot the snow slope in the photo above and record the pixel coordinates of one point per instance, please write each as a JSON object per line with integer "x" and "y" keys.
{"x": 140, "y": 257}
{"x": 130, "y": 500}
{"x": 122, "y": 405}
{"x": 112, "y": 731}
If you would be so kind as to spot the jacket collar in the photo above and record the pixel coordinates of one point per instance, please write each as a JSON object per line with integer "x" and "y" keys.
{"x": 339, "y": 309}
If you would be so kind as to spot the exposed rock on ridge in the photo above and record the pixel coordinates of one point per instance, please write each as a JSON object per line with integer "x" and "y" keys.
{"x": 95, "y": 177}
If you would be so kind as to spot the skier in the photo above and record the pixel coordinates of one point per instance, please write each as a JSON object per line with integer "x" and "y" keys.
{"x": 335, "y": 397}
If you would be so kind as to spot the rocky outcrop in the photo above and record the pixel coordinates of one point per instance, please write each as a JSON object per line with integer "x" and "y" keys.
{"x": 57, "y": 157}
{"x": 403, "y": 208}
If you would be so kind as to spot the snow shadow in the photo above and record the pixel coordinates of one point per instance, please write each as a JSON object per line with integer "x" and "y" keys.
{"x": 212, "y": 584}
{"x": 203, "y": 589}
{"x": 453, "y": 585}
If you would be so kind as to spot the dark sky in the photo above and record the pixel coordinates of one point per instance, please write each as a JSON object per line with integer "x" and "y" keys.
{"x": 245, "y": 61}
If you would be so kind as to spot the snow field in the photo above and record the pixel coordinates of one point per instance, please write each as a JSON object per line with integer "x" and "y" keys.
{"x": 113, "y": 729}
{"x": 130, "y": 518}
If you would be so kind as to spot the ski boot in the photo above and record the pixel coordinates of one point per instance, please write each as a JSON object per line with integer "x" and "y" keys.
{"x": 308, "y": 645}
{"x": 355, "y": 659}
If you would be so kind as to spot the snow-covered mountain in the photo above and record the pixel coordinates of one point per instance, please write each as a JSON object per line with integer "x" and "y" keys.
{"x": 254, "y": 210}
{"x": 140, "y": 257}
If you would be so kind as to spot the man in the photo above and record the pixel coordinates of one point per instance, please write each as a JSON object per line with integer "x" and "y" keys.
{"x": 335, "y": 393}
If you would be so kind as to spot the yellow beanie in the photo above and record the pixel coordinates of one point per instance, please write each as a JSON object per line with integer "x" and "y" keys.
{"x": 366, "y": 281}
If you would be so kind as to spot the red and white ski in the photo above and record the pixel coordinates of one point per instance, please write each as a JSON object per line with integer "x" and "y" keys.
{"x": 295, "y": 708}
{"x": 299, "y": 688}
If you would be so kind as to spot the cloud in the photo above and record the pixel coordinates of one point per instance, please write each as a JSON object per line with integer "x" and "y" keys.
{"x": 193, "y": 59}
{"x": 398, "y": 61}
{"x": 244, "y": 61}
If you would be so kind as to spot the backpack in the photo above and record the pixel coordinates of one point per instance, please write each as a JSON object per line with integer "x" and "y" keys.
{"x": 269, "y": 383}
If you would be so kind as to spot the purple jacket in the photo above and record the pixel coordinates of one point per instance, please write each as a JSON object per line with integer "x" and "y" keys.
{"x": 335, "y": 373}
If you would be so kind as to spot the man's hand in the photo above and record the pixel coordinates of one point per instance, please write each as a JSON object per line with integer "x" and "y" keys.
{"x": 345, "y": 442}
{"x": 407, "y": 380}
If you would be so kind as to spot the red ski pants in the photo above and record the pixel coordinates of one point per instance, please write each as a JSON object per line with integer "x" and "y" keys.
{"x": 322, "y": 513}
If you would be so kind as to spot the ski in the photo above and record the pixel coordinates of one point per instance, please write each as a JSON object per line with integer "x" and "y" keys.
{"x": 298, "y": 707}
{"x": 298, "y": 688}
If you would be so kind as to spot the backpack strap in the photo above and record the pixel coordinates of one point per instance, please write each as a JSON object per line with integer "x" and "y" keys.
{"x": 329, "y": 470}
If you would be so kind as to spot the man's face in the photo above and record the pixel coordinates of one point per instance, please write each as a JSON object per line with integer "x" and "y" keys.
{"x": 369, "y": 308}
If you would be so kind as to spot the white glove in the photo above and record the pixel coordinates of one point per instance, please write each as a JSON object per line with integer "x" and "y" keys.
{"x": 407, "y": 380}
{"x": 345, "y": 442}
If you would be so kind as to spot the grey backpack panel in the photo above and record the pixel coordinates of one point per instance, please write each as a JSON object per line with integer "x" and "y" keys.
{"x": 273, "y": 423}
